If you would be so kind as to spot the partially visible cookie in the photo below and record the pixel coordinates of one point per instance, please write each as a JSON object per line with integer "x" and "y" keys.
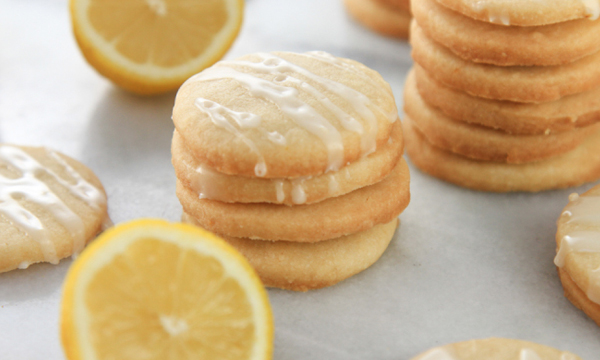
{"x": 482, "y": 42}
{"x": 381, "y": 16}
{"x": 574, "y": 168}
{"x": 515, "y": 83}
{"x": 525, "y": 12}
{"x": 50, "y": 206}
{"x": 496, "y": 349}
{"x": 578, "y": 251}
{"x": 306, "y": 266}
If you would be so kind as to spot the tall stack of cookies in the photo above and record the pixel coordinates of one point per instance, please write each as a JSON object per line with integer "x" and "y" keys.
{"x": 387, "y": 17}
{"x": 294, "y": 159}
{"x": 505, "y": 97}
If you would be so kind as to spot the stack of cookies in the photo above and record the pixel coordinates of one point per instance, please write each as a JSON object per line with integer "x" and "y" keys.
{"x": 294, "y": 159}
{"x": 387, "y": 17}
{"x": 505, "y": 97}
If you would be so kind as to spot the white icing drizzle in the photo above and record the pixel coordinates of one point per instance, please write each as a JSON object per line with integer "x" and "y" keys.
{"x": 583, "y": 209}
{"x": 437, "y": 354}
{"x": 220, "y": 115}
{"x": 277, "y": 138}
{"x": 334, "y": 187}
{"x": 205, "y": 181}
{"x": 578, "y": 241}
{"x": 592, "y": 8}
{"x": 29, "y": 187}
{"x": 279, "y": 191}
{"x": 298, "y": 192}
{"x": 528, "y": 354}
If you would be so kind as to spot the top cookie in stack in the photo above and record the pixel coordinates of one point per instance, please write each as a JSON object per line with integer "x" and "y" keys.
{"x": 505, "y": 95}
{"x": 301, "y": 150}
{"x": 387, "y": 17}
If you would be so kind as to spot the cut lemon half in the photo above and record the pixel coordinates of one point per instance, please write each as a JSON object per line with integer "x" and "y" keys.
{"x": 150, "y": 289}
{"x": 153, "y": 46}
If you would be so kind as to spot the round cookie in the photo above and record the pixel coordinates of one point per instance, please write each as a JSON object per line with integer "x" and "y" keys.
{"x": 381, "y": 17}
{"x": 50, "y": 206}
{"x": 578, "y": 251}
{"x": 347, "y": 214}
{"x": 283, "y": 114}
{"x": 307, "y": 266}
{"x": 496, "y": 349}
{"x": 516, "y": 83}
{"x": 482, "y": 42}
{"x": 574, "y": 168}
{"x": 398, "y": 4}
{"x": 565, "y": 114}
{"x": 525, "y": 12}
{"x": 305, "y": 190}
{"x": 481, "y": 143}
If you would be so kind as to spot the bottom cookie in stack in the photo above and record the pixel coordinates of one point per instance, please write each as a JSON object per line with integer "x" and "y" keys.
{"x": 387, "y": 17}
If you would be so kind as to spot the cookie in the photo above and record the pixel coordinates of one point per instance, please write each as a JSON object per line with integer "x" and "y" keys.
{"x": 525, "y": 12}
{"x": 381, "y": 16}
{"x": 574, "y": 168}
{"x": 306, "y": 266}
{"x": 398, "y": 4}
{"x": 283, "y": 115}
{"x": 50, "y": 206}
{"x": 305, "y": 190}
{"x": 347, "y": 214}
{"x": 515, "y": 83}
{"x": 501, "y": 45}
{"x": 496, "y": 349}
{"x": 565, "y": 114}
{"x": 481, "y": 143}
{"x": 578, "y": 251}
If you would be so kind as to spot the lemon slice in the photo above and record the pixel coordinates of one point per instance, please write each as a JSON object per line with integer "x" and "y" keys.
{"x": 150, "y": 289}
{"x": 153, "y": 46}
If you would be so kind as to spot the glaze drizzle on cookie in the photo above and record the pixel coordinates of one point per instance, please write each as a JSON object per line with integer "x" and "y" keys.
{"x": 27, "y": 187}
{"x": 437, "y": 354}
{"x": 528, "y": 354}
{"x": 592, "y": 8}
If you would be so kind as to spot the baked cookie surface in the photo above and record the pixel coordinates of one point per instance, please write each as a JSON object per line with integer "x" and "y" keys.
{"x": 382, "y": 16}
{"x": 281, "y": 114}
{"x": 496, "y": 349}
{"x": 50, "y": 206}
{"x": 578, "y": 251}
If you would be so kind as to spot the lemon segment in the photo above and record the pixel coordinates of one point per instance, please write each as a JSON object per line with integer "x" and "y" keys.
{"x": 154, "y": 290}
{"x": 153, "y": 46}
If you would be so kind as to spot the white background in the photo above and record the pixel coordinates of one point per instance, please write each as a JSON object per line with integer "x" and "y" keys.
{"x": 463, "y": 264}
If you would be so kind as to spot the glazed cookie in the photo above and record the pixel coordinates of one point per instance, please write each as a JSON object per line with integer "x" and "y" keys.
{"x": 380, "y": 16}
{"x": 525, "y": 12}
{"x": 302, "y": 266}
{"x": 304, "y": 190}
{"x": 516, "y": 83}
{"x": 481, "y": 143}
{"x": 277, "y": 115}
{"x": 578, "y": 251}
{"x": 565, "y": 114}
{"x": 496, "y": 349}
{"x": 50, "y": 206}
{"x": 347, "y": 214}
{"x": 574, "y": 168}
{"x": 483, "y": 42}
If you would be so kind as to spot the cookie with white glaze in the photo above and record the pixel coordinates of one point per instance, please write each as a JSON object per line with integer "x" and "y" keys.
{"x": 565, "y": 114}
{"x": 578, "y": 251}
{"x": 385, "y": 17}
{"x": 51, "y": 206}
{"x": 496, "y": 349}
{"x": 483, "y": 42}
{"x": 525, "y": 12}
{"x": 307, "y": 266}
{"x": 283, "y": 114}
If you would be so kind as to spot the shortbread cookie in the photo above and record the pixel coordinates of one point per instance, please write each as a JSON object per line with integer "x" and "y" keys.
{"x": 213, "y": 185}
{"x": 302, "y": 266}
{"x": 50, "y": 206}
{"x": 277, "y": 115}
{"x": 380, "y": 17}
{"x": 481, "y": 143}
{"x": 565, "y": 114}
{"x": 578, "y": 251}
{"x": 496, "y": 349}
{"x": 515, "y": 83}
{"x": 398, "y": 4}
{"x": 347, "y": 214}
{"x": 525, "y": 12}
{"x": 574, "y": 168}
{"x": 483, "y": 42}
